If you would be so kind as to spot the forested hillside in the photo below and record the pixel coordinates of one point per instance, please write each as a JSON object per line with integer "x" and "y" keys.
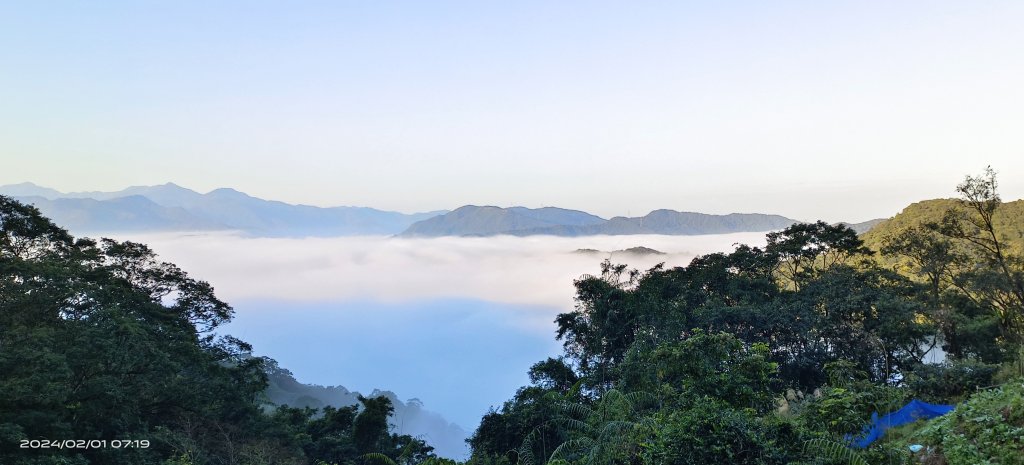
{"x": 109, "y": 356}
{"x": 1008, "y": 221}
{"x": 780, "y": 355}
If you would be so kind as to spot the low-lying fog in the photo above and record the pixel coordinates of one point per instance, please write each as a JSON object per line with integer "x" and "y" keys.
{"x": 455, "y": 322}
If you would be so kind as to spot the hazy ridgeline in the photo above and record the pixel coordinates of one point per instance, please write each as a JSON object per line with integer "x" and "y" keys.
{"x": 409, "y": 417}
{"x": 169, "y": 207}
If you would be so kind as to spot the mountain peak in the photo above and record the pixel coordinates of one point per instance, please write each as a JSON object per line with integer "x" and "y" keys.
{"x": 472, "y": 220}
{"x": 29, "y": 189}
{"x": 165, "y": 187}
{"x": 171, "y": 185}
{"x": 228, "y": 192}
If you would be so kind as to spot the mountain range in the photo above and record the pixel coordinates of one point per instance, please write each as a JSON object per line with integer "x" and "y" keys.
{"x": 474, "y": 220}
{"x": 170, "y": 207}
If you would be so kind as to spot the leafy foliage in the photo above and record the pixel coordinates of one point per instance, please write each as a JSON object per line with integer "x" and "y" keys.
{"x": 99, "y": 340}
{"x": 834, "y": 451}
{"x": 777, "y": 355}
{"x": 712, "y": 432}
{"x": 986, "y": 429}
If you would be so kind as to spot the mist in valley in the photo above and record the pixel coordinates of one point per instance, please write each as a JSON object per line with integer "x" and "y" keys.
{"x": 533, "y": 271}
{"x": 453, "y": 322}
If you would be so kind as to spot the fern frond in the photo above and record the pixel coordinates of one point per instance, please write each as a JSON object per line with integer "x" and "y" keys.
{"x": 615, "y": 427}
{"x": 525, "y": 451}
{"x": 833, "y": 450}
{"x": 576, "y": 410}
{"x": 572, "y": 445}
{"x": 378, "y": 458}
{"x": 640, "y": 399}
{"x": 576, "y": 425}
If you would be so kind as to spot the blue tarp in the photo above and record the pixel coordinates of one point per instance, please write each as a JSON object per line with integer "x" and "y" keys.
{"x": 913, "y": 411}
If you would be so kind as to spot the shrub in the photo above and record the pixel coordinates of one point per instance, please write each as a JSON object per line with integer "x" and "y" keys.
{"x": 950, "y": 382}
{"x": 986, "y": 429}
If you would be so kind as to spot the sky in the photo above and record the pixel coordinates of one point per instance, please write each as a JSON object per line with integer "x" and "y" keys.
{"x": 832, "y": 110}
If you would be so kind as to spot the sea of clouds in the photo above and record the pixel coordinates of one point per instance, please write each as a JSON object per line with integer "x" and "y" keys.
{"x": 535, "y": 270}
{"x": 453, "y": 321}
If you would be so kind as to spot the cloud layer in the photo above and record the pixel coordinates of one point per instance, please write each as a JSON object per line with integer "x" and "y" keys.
{"x": 536, "y": 270}
{"x": 424, "y": 318}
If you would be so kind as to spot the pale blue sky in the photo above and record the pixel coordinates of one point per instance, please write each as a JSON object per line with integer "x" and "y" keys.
{"x": 834, "y": 110}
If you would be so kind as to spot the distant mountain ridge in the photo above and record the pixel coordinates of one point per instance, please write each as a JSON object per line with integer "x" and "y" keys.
{"x": 131, "y": 213}
{"x": 471, "y": 220}
{"x": 170, "y": 207}
{"x": 863, "y": 226}
{"x": 474, "y": 220}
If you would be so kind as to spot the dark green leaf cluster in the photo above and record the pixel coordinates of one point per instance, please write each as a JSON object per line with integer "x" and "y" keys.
{"x": 101, "y": 341}
{"x": 777, "y": 355}
{"x": 987, "y": 428}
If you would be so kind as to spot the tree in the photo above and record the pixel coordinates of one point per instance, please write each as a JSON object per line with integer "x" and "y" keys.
{"x": 708, "y": 366}
{"x": 967, "y": 329}
{"x": 528, "y": 418}
{"x": 611, "y": 431}
{"x": 870, "y": 317}
{"x": 713, "y": 432}
{"x": 999, "y": 282}
{"x": 553, "y": 374}
{"x": 371, "y": 425}
{"x": 605, "y": 323}
{"x": 100, "y": 340}
{"x": 804, "y": 248}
